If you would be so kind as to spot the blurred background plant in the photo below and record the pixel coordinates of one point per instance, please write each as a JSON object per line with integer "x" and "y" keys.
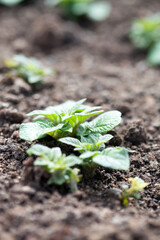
{"x": 145, "y": 35}
{"x": 75, "y": 9}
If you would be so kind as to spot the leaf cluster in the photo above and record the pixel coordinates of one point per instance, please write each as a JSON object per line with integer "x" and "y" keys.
{"x": 145, "y": 34}
{"x": 137, "y": 185}
{"x": 57, "y": 121}
{"x": 75, "y": 9}
{"x": 57, "y": 164}
{"x": 67, "y": 123}
{"x": 28, "y": 68}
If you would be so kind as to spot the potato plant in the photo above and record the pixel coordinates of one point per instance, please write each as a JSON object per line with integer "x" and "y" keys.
{"x": 28, "y": 68}
{"x": 68, "y": 120}
{"x": 57, "y": 121}
{"x": 76, "y": 9}
{"x": 57, "y": 164}
{"x": 67, "y": 123}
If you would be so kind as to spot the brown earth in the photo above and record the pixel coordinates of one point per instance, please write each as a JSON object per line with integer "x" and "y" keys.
{"x": 96, "y": 61}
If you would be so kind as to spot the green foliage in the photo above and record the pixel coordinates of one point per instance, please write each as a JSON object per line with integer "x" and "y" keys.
{"x": 57, "y": 164}
{"x": 137, "y": 185}
{"x": 102, "y": 124}
{"x": 10, "y": 2}
{"x": 93, "y": 142}
{"x": 28, "y": 68}
{"x": 67, "y": 123}
{"x": 115, "y": 158}
{"x": 75, "y": 9}
{"x": 57, "y": 121}
{"x": 145, "y": 34}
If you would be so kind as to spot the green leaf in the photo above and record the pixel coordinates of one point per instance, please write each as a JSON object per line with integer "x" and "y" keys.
{"x": 137, "y": 184}
{"x": 72, "y": 160}
{"x": 72, "y": 112}
{"x": 154, "y": 54}
{"x": 115, "y": 158}
{"x": 89, "y": 154}
{"x": 63, "y": 119}
{"x": 57, "y": 164}
{"x": 98, "y": 11}
{"x": 105, "y": 122}
{"x": 58, "y": 177}
{"x": 70, "y": 141}
{"x": 43, "y": 151}
{"x": 37, "y": 130}
{"x": 91, "y": 143}
{"x": 78, "y": 118}
{"x": 77, "y": 106}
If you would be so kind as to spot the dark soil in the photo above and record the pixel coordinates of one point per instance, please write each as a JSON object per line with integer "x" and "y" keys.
{"x": 96, "y": 61}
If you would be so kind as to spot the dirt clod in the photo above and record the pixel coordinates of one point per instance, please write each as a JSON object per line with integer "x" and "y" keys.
{"x": 11, "y": 116}
{"x": 136, "y": 134}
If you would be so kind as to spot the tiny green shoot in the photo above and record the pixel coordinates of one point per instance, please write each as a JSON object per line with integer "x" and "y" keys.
{"x": 58, "y": 165}
{"x": 28, "y": 68}
{"x": 137, "y": 185}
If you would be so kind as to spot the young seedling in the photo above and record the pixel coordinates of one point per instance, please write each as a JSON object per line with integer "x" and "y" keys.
{"x": 66, "y": 122}
{"x": 145, "y": 35}
{"x": 57, "y": 121}
{"x": 28, "y": 68}
{"x": 61, "y": 166}
{"x": 76, "y": 9}
{"x": 94, "y": 154}
{"x": 137, "y": 185}
{"x": 57, "y": 164}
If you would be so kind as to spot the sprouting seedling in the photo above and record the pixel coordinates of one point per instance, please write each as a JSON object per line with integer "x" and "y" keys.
{"x": 93, "y": 142}
{"x": 57, "y": 121}
{"x": 28, "y": 68}
{"x": 137, "y": 185}
{"x": 57, "y": 164}
{"x": 76, "y": 9}
{"x": 145, "y": 34}
{"x": 66, "y": 122}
